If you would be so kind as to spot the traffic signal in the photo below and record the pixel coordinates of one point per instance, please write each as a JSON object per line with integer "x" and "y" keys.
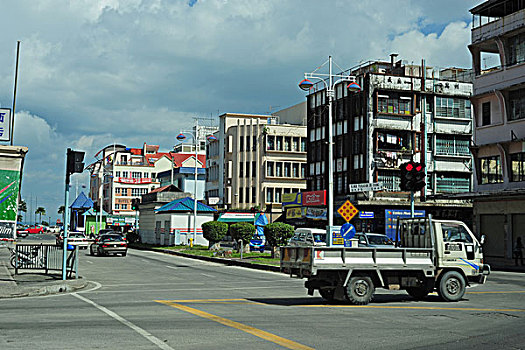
{"x": 412, "y": 176}
{"x": 135, "y": 203}
{"x": 74, "y": 161}
{"x": 96, "y": 207}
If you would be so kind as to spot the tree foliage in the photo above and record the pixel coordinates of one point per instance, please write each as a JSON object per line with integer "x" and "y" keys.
{"x": 214, "y": 231}
{"x": 278, "y": 233}
{"x": 243, "y": 231}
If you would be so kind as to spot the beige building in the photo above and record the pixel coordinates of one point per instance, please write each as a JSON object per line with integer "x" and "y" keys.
{"x": 498, "y": 55}
{"x": 254, "y": 161}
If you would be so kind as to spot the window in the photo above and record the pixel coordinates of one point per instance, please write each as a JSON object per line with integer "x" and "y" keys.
{"x": 287, "y": 143}
{"x": 254, "y": 168}
{"x": 124, "y": 174}
{"x": 287, "y": 169}
{"x": 117, "y": 190}
{"x": 517, "y": 167}
{"x": 241, "y": 169}
{"x": 451, "y": 145}
{"x": 389, "y": 142}
{"x": 254, "y": 143}
{"x": 455, "y": 233}
{"x": 517, "y": 104}
{"x": 278, "y": 192}
{"x": 124, "y": 191}
{"x": 124, "y": 207}
{"x": 517, "y": 49}
{"x": 248, "y": 143}
{"x": 270, "y": 143}
{"x": 117, "y": 173}
{"x": 295, "y": 170}
{"x": 241, "y": 144}
{"x": 448, "y": 107}
{"x": 358, "y": 161}
{"x": 117, "y": 206}
{"x": 279, "y": 169}
{"x": 393, "y": 104}
{"x": 270, "y": 169}
{"x": 295, "y": 144}
{"x": 254, "y": 195}
{"x": 135, "y": 192}
{"x": 240, "y": 195}
{"x": 269, "y": 195}
{"x": 247, "y": 167}
{"x": 279, "y": 143}
{"x": 491, "y": 170}
{"x": 303, "y": 144}
{"x": 485, "y": 114}
{"x": 136, "y": 175}
{"x": 247, "y": 196}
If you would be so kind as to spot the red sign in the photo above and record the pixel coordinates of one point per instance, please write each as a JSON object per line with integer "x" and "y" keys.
{"x": 128, "y": 180}
{"x": 314, "y": 198}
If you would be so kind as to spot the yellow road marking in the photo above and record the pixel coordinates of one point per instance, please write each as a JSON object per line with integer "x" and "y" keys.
{"x": 502, "y": 292}
{"x": 417, "y": 307}
{"x": 245, "y": 328}
{"x": 203, "y": 300}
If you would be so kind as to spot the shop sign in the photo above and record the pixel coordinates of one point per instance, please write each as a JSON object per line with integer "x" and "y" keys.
{"x": 294, "y": 213}
{"x": 314, "y": 198}
{"x": 366, "y": 215}
{"x": 129, "y": 180}
{"x": 316, "y": 213}
{"x": 391, "y": 216}
{"x": 292, "y": 199}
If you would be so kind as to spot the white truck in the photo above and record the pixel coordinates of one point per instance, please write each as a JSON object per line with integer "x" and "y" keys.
{"x": 429, "y": 255}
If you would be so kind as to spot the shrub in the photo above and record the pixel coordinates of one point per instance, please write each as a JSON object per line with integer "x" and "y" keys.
{"x": 214, "y": 231}
{"x": 243, "y": 231}
{"x": 278, "y": 233}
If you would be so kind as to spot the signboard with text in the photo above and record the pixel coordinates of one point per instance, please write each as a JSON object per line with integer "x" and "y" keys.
{"x": 391, "y": 216}
{"x": 292, "y": 199}
{"x": 5, "y": 124}
{"x": 129, "y": 180}
{"x": 314, "y": 198}
{"x": 363, "y": 187}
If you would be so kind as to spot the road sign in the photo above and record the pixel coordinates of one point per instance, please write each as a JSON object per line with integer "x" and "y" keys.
{"x": 375, "y": 186}
{"x": 347, "y": 211}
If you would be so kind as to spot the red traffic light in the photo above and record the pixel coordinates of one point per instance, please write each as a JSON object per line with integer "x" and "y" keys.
{"x": 419, "y": 167}
{"x": 409, "y": 166}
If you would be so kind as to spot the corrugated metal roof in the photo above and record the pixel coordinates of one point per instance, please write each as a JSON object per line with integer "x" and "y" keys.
{"x": 81, "y": 202}
{"x": 184, "y": 205}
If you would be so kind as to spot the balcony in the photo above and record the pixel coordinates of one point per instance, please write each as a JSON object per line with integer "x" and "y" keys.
{"x": 452, "y": 185}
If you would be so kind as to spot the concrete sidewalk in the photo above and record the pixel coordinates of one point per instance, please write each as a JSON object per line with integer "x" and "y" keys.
{"x": 32, "y": 282}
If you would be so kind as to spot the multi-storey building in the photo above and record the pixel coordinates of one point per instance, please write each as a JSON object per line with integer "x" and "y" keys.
{"x": 403, "y": 112}
{"x": 254, "y": 161}
{"x": 122, "y": 174}
{"x": 498, "y": 55}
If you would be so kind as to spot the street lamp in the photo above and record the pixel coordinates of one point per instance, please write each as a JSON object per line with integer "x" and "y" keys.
{"x": 306, "y": 85}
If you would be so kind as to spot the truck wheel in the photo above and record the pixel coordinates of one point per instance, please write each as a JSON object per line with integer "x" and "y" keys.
{"x": 451, "y": 286}
{"x": 327, "y": 294}
{"x": 422, "y": 291}
{"x": 360, "y": 290}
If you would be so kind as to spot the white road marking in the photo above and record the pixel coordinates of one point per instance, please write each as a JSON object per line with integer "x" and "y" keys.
{"x": 205, "y": 274}
{"x": 193, "y": 289}
{"x": 125, "y": 322}
{"x": 171, "y": 267}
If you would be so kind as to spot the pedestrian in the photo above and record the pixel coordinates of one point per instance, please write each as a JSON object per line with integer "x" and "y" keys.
{"x": 517, "y": 251}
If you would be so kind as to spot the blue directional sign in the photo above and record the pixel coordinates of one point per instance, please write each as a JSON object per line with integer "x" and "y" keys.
{"x": 348, "y": 232}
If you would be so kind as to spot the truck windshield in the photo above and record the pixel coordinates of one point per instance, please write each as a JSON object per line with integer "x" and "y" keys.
{"x": 455, "y": 233}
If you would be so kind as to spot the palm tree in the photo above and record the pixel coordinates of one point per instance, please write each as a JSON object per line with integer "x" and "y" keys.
{"x": 41, "y": 211}
{"x": 62, "y": 210}
{"x": 22, "y": 207}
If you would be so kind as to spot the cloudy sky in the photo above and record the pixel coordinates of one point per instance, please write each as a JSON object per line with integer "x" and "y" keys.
{"x": 94, "y": 72}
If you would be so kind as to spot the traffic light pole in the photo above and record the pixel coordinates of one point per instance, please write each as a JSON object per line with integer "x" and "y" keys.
{"x": 66, "y": 219}
{"x": 411, "y": 204}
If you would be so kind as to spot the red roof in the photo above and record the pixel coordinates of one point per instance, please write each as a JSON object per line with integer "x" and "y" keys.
{"x": 179, "y": 158}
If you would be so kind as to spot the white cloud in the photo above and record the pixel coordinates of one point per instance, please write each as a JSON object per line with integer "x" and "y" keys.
{"x": 134, "y": 71}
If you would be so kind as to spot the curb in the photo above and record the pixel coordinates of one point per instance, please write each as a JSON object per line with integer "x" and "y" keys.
{"x": 47, "y": 290}
{"x": 228, "y": 262}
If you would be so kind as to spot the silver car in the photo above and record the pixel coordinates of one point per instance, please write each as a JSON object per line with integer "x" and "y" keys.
{"x": 111, "y": 243}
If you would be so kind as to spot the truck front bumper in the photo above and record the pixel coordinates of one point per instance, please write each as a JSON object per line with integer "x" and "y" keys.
{"x": 485, "y": 271}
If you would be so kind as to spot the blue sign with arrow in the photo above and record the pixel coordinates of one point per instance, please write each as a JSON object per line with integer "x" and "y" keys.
{"x": 348, "y": 232}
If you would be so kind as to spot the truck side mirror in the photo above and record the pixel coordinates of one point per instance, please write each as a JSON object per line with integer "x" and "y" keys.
{"x": 482, "y": 239}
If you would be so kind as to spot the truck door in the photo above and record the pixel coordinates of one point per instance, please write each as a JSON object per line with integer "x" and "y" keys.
{"x": 458, "y": 246}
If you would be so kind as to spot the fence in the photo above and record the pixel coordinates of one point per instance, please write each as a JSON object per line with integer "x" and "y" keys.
{"x": 43, "y": 257}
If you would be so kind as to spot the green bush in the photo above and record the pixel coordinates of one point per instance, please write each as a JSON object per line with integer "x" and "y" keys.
{"x": 278, "y": 233}
{"x": 242, "y": 230}
{"x": 214, "y": 231}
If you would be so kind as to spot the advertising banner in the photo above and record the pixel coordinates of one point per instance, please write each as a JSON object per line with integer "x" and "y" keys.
{"x": 292, "y": 199}
{"x": 294, "y": 213}
{"x": 314, "y": 198}
{"x": 5, "y": 124}
{"x": 391, "y": 216}
{"x": 316, "y": 213}
{"x": 129, "y": 180}
{"x": 11, "y": 160}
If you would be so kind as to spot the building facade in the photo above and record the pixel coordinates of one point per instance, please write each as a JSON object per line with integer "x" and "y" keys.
{"x": 254, "y": 161}
{"x": 498, "y": 57}
{"x": 403, "y": 112}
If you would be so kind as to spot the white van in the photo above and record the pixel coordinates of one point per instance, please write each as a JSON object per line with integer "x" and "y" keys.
{"x": 308, "y": 237}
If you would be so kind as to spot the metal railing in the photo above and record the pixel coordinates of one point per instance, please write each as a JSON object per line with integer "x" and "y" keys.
{"x": 43, "y": 257}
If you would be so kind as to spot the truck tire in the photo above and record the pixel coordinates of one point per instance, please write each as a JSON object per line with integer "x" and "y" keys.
{"x": 359, "y": 290}
{"x": 421, "y": 292}
{"x": 451, "y": 286}
{"x": 327, "y": 294}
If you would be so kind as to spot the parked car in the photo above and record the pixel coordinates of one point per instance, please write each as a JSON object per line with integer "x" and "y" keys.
{"x": 373, "y": 240}
{"x": 54, "y": 229}
{"x": 109, "y": 243}
{"x": 35, "y": 229}
{"x": 308, "y": 237}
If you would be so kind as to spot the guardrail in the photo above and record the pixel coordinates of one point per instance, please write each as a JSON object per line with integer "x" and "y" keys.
{"x": 43, "y": 257}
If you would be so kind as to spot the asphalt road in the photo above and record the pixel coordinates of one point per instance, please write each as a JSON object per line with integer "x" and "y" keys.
{"x": 148, "y": 300}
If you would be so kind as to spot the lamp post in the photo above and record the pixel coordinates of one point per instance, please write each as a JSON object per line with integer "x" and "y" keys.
{"x": 306, "y": 85}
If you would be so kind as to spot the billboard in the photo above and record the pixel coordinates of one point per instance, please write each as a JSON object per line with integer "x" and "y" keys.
{"x": 11, "y": 160}
{"x": 391, "y": 216}
{"x": 314, "y": 198}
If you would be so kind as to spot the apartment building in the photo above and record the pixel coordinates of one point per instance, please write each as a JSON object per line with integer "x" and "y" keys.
{"x": 403, "y": 112}
{"x": 120, "y": 175}
{"x": 254, "y": 161}
{"x": 498, "y": 57}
